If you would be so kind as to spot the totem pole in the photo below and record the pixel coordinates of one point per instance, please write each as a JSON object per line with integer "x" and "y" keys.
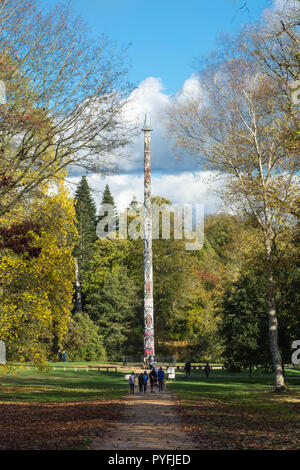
{"x": 148, "y": 275}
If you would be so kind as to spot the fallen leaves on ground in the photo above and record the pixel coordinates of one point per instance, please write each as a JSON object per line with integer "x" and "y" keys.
{"x": 50, "y": 426}
{"x": 215, "y": 425}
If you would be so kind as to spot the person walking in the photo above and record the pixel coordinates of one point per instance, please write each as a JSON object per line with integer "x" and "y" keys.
{"x": 161, "y": 376}
{"x": 145, "y": 380}
{"x": 153, "y": 379}
{"x": 207, "y": 369}
{"x": 59, "y": 356}
{"x": 64, "y": 356}
{"x": 188, "y": 367}
{"x": 156, "y": 371}
{"x": 141, "y": 382}
{"x": 131, "y": 382}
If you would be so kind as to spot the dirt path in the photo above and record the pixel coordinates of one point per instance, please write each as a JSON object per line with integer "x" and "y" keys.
{"x": 148, "y": 422}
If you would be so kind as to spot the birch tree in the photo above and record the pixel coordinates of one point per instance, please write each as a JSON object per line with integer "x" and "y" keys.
{"x": 235, "y": 125}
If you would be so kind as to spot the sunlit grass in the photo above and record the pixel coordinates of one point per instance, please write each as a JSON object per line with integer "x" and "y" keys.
{"x": 256, "y": 391}
{"x": 69, "y": 385}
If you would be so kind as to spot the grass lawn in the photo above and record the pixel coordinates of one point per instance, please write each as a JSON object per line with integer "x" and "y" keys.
{"x": 60, "y": 385}
{"x": 225, "y": 412}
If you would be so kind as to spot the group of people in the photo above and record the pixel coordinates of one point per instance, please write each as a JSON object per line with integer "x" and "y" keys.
{"x": 156, "y": 376}
{"x": 188, "y": 367}
{"x": 62, "y": 356}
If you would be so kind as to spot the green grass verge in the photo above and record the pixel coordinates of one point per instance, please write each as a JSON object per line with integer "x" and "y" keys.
{"x": 60, "y": 386}
{"x": 229, "y": 387}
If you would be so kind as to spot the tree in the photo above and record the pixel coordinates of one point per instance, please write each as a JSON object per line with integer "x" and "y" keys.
{"x": 134, "y": 203}
{"x": 237, "y": 131}
{"x": 37, "y": 283}
{"x": 111, "y": 216}
{"x": 83, "y": 341}
{"x": 288, "y": 293}
{"x": 112, "y": 301}
{"x": 86, "y": 225}
{"x": 65, "y": 98}
{"x": 244, "y": 325}
{"x": 227, "y": 240}
{"x": 84, "y": 202}
{"x": 107, "y": 196}
{"x": 276, "y": 46}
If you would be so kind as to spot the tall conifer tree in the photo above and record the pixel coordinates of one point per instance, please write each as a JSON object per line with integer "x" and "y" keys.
{"x": 108, "y": 199}
{"x": 86, "y": 224}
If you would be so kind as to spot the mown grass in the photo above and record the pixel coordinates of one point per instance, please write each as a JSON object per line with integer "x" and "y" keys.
{"x": 230, "y": 387}
{"x": 61, "y": 386}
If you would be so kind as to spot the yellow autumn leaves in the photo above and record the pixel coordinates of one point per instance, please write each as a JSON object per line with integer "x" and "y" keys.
{"x": 36, "y": 295}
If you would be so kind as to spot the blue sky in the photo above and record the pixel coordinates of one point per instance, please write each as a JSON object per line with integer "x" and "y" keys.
{"x": 166, "y": 35}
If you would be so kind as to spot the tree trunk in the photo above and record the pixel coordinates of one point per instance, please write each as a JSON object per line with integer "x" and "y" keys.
{"x": 78, "y": 303}
{"x": 273, "y": 326}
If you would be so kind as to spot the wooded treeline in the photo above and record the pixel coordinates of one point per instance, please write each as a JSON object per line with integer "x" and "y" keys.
{"x": 209, "y": 304}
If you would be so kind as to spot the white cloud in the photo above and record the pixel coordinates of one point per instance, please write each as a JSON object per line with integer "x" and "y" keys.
{"x": 182, "y": 188}
{"x": 149, "y": 97}
{"x": 284, "y": 9}
{"x": 284, "y": 4}
{"x": 191, "y": 90}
